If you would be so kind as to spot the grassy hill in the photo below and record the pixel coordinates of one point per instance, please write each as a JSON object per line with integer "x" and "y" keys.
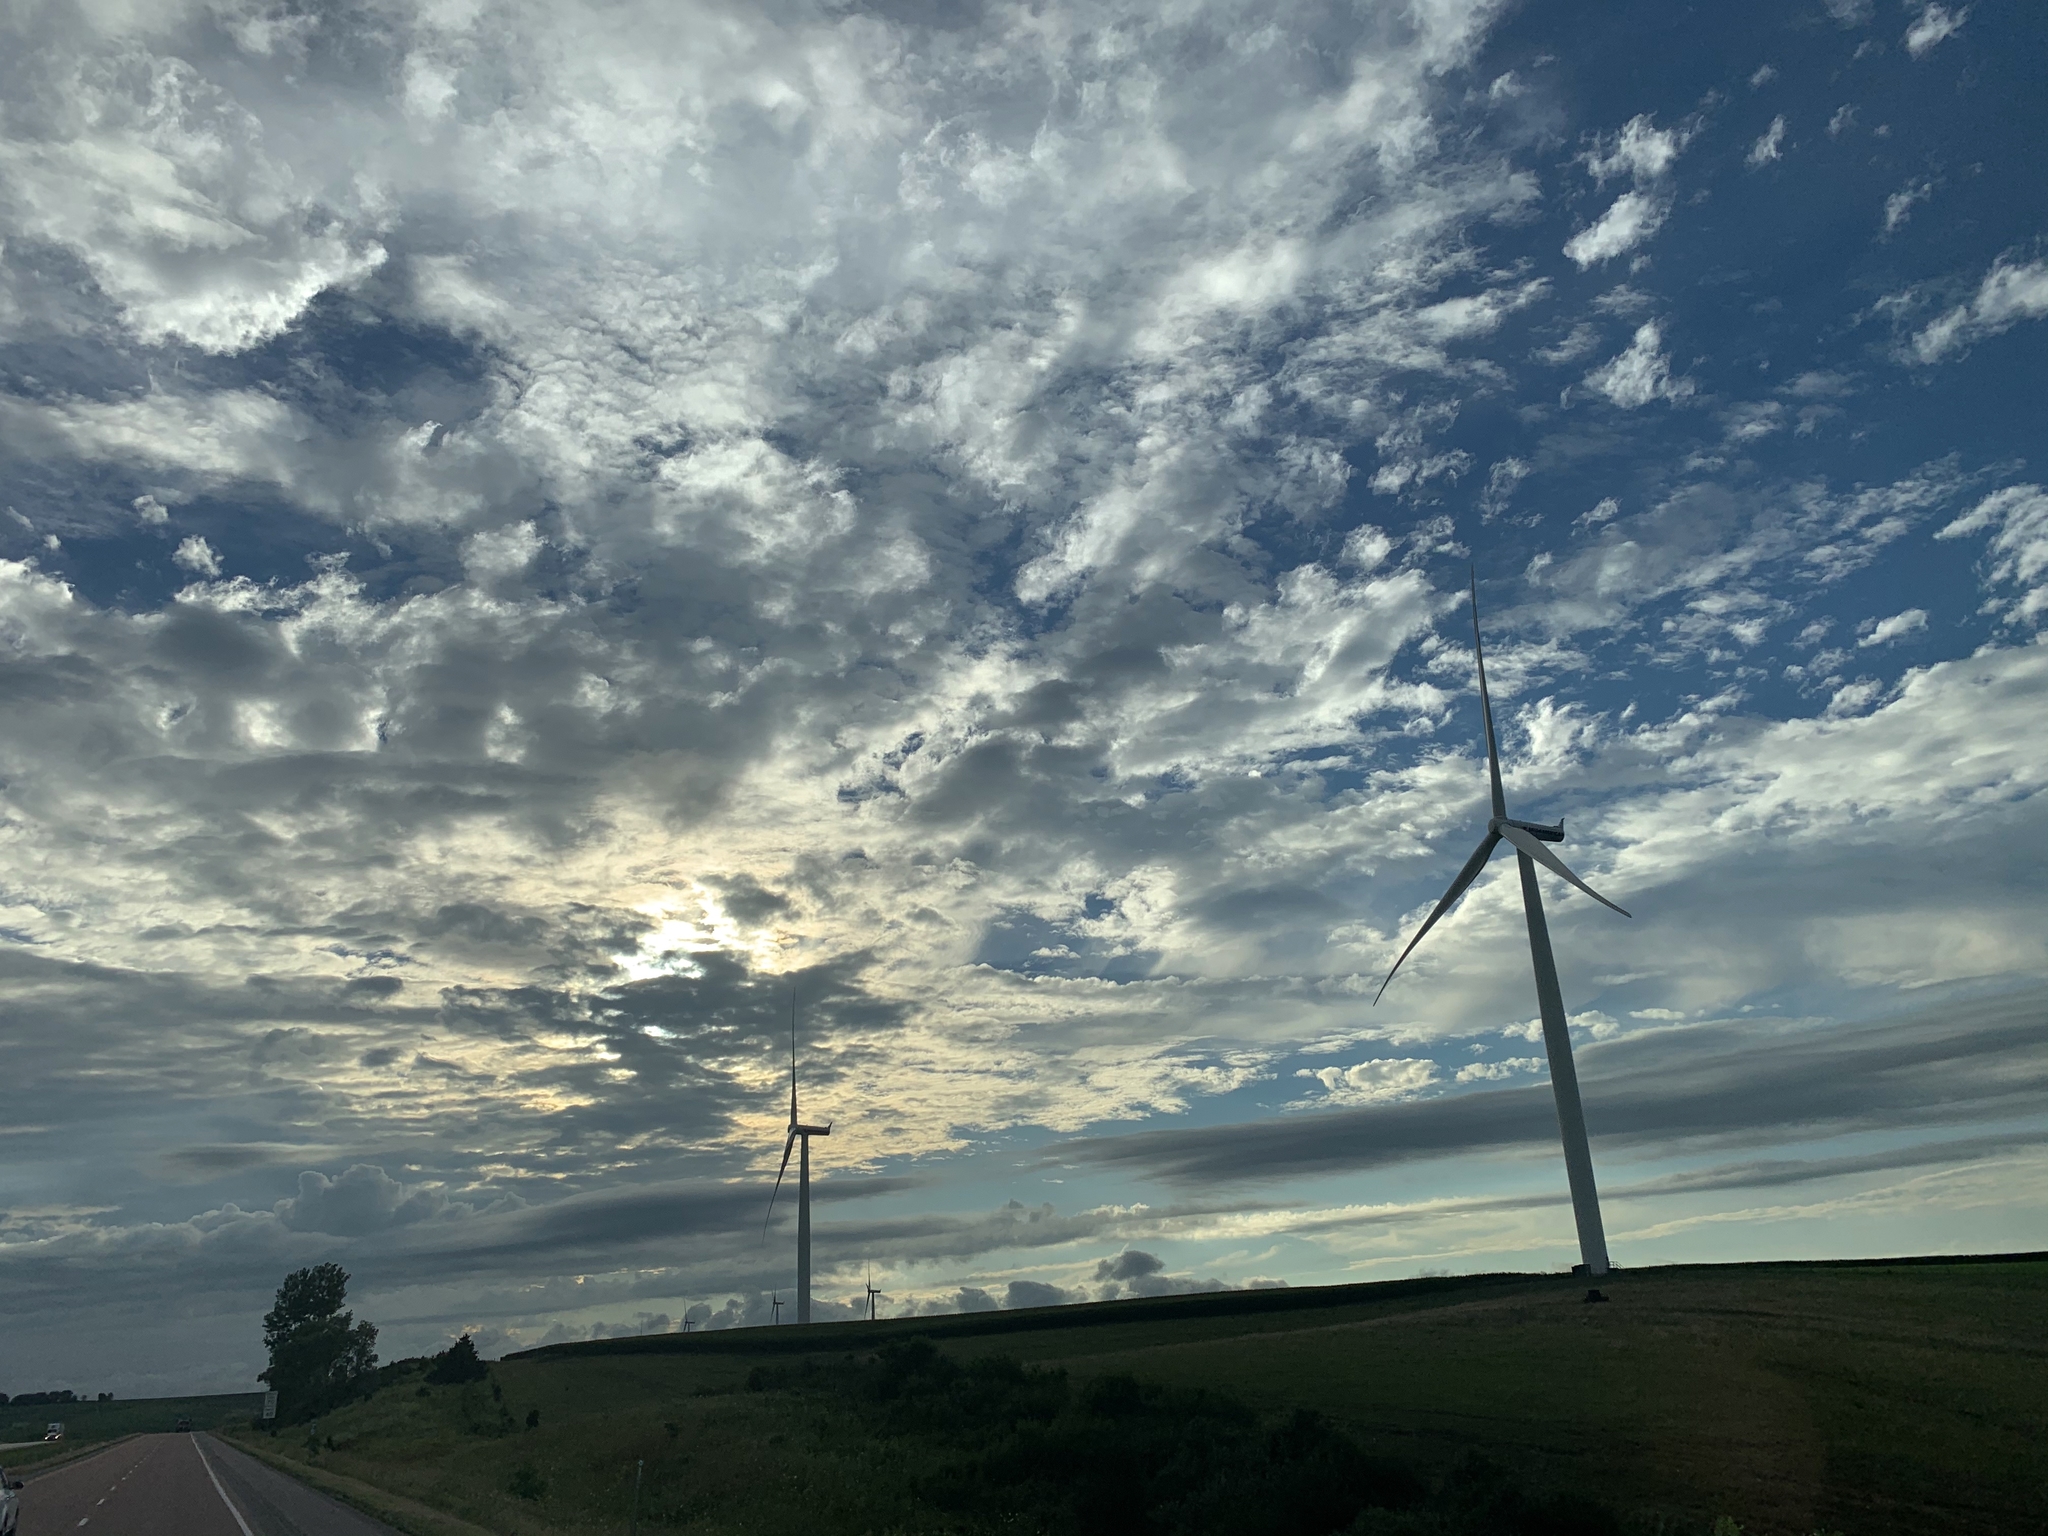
{"x": 1864, "y": 1398}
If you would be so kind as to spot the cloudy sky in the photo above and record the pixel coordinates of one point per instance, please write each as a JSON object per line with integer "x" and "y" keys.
{"x": 533, "y": 532}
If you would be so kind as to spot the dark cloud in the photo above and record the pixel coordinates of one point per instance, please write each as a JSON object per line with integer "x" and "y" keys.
{"x": 1131, "y": 1264}
{"x": 1734, "y": 1083}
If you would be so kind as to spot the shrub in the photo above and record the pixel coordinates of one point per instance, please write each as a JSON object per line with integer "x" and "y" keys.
{"x": 527, "y": 1483}
{"x": 458, "y": 1363}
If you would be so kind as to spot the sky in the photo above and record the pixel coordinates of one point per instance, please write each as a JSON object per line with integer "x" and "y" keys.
{"x": 536, "y": 534}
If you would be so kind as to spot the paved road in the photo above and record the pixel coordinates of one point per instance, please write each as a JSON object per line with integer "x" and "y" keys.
{"x": 182, "y": 1485}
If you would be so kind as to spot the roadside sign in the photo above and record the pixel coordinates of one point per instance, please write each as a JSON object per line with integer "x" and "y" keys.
{"x": 269, "y": 1405}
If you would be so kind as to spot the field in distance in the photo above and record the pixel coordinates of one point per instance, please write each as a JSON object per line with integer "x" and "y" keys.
{"x": 89, "y": 1423}
{"x": 1866, "y": 1398}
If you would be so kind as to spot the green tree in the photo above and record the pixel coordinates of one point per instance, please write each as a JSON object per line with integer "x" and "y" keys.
{"x": 318, "y": 1352}
{"x": 459, "y": 1362}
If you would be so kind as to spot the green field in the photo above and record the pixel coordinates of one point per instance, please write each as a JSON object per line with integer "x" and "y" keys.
{"x": 88, "y": 1423}
{"x": 1864, "y": 1398}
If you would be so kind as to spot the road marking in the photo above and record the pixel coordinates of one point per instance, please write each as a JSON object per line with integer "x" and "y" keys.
{"x": 217, "y": 1489}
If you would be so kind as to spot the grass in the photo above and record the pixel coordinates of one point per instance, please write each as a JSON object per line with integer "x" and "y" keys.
{"x": 1868, "y": 1399}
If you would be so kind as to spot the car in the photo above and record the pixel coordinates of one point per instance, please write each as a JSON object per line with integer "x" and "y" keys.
{"x": 184, "y": 1425}
{"x": 10, "y": 1506}
{"x": 54, "y": 1432}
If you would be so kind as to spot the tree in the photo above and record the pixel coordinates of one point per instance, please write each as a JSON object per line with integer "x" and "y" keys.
{"x": 459, "y": 1362}
{"x": 318, "y": 1352}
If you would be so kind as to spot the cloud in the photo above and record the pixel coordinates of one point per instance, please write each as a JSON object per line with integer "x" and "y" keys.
{"x": 1724, "y": 1084}
{"x": 1935, "y": 24}
{"x": 1629, "y": 221}
{"x": 1639, "y": 375}
{"x": 1769, "y": 145}
{"x": 197, "y": 556}
{"x": 1372, "y": 1081}
{"x": 1131, "y": 1264}
{"x": 1899, "y": 206}
{"x": 1501, "y": 481}
{"x": 2008, "y": 295}
{"x": 163, "y": 186}
{"x": 1883, "y": 631}
{"x": 1640, "y": 149}
{"x": 2019, "y": 547}
{"x": 363, "y": 1199}
{"x": 1036, "y": 1293}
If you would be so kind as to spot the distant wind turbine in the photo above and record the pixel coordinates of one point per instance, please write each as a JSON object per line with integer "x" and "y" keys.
{"x": 1528, "y": 838}
{"x": 776, "y": 1303}
{"x": 872, "y": 1293}
{"x": 798, "y": 1131}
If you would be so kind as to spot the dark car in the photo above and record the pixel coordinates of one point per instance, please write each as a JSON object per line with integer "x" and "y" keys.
{"x": 184, "y": 1424}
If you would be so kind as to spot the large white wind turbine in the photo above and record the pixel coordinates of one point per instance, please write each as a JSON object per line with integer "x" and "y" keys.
{"x": 1527, "y": 839}
{"x": 798, "y": 1131}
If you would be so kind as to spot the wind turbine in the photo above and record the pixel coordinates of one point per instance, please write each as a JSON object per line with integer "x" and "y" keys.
{"x": 872, "y": 1293}
{"x": 798, "y": 1131}
{"x": 1527, "y": 838}
{"x": 776, "y": 1303}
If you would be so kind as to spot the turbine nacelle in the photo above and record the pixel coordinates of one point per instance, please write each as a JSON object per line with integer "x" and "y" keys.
{"x": 1535, "y": 829}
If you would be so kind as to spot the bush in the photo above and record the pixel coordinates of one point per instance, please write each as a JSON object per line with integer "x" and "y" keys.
{"x": 458, "y": 1363}
{"x": 527, "y": 1483}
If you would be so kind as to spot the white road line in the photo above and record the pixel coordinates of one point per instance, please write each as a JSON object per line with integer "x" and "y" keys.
{"x": 217, "y": 1489}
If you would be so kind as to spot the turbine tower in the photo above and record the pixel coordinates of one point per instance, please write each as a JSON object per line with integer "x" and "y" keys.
{"x": 798, "y": 1131}
{"x": 1527, "y": 838}
{"x": 872, "y": 1293}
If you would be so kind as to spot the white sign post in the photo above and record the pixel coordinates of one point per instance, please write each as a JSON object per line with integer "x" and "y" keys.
{"x": 269, "y": 1406}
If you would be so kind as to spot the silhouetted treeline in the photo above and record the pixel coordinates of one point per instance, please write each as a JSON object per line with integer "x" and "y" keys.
{"x": 1015, "y": 1446}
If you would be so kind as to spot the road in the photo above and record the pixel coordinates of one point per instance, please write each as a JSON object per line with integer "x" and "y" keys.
{"x": 181, "y": 1485}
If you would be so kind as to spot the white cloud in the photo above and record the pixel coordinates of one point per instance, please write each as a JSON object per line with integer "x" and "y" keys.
{"x": 2019, "y": 547}
{"x": 197, "y": 556}
{"x": 1769, "y": 146}
{"x": 163, "y": 186}
{"x": 1641, "y": 150}
{"x": 1633, "y": 218}
{"x": 1899, "y": 206}
{"x": 1501, "y": 481}
{"x": 1376, "y": 1081}
{"x": 1912, "y": 621}
{"x": 1501, "y": 1071}
{"x": 2008, "y": 295}
{"x": 1933, "y": 25}
{"x": 1634, "y": 378}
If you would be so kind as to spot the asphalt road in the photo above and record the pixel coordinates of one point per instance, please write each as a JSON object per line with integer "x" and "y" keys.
{"x": 182, "y": 1485}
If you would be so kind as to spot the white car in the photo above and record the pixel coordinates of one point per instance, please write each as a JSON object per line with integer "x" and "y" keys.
{"x": 10, "y": 1506}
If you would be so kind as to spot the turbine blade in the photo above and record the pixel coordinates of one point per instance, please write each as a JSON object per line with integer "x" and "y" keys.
{"x": 1555, "y": 865}
{"x": 792, "y": 1057}
{"x": 1500, "y": 803}
{"x": 1465, "y": 877}
{"x": 787, "y": 1147}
